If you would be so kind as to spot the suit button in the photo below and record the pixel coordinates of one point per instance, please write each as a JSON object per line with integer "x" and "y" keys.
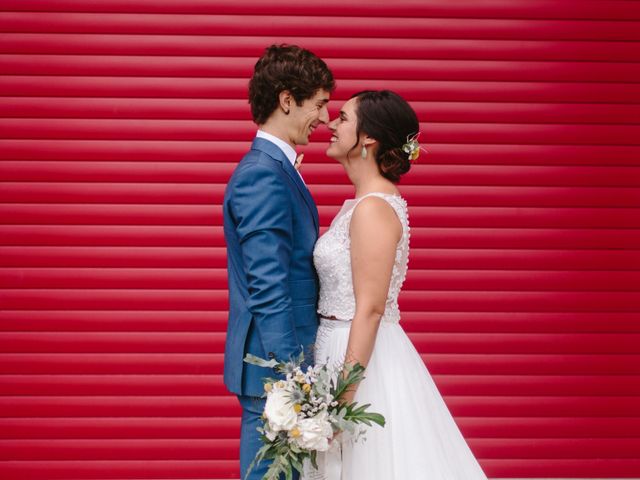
{"x": 271, "y": 355}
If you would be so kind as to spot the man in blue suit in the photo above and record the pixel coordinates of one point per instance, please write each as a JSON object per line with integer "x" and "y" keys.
{"x": 270, "y": 227}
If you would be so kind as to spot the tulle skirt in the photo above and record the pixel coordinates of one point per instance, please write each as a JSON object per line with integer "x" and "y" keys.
{"x": 420, "y": 439}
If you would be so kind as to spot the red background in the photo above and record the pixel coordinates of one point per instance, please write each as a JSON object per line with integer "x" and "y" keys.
{"x": 120, "y": 123}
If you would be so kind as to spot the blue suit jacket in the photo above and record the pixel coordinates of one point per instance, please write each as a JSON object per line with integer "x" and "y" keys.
{"x": 270, "y": 227}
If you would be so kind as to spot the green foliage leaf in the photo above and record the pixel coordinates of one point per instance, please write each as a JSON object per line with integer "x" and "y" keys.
{"x": 260, "y": 362}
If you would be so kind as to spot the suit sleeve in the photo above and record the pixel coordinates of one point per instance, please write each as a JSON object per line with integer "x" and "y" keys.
{"x": 263, "y": 217}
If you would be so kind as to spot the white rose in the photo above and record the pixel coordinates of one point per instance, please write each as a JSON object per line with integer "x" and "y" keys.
{"x": 279, "y": 411}
{"x": 315, "y": 432}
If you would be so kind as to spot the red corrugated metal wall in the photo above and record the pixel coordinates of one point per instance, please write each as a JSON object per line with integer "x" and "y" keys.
{"x": 122, "y": 120}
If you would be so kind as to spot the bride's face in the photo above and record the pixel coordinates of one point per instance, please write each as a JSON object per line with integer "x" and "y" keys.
{"x": 344, "y": 142}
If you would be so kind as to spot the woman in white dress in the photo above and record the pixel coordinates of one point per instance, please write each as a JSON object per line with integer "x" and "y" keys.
{"x": 361, "y": 262}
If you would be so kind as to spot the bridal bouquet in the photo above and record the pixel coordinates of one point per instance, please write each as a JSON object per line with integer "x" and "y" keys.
{"x": 303, "y": 412}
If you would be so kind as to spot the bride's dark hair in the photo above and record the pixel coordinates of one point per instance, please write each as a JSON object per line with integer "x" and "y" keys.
{"x": 387, "y": 117}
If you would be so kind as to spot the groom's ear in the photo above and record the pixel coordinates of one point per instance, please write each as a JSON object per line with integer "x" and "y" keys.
{"x": 285, "y": 100}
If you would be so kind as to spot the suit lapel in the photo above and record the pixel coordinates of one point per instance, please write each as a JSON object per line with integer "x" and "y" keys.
{"x": 273, "y": 151}
{"x": 306, "y": 194}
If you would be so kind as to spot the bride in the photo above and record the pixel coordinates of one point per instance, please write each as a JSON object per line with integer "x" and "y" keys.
{"x": 362, "y": 262}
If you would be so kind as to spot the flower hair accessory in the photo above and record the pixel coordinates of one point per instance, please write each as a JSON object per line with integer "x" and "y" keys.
{"x": 412, "y": 147}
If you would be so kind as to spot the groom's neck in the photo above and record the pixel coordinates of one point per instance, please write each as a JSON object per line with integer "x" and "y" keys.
{"x": 276, "y": 128}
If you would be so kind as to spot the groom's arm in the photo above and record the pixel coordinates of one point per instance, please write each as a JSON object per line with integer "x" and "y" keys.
{"x": 264, "y": 224}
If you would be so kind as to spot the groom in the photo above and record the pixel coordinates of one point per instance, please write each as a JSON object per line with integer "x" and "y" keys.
{"x": 270, "y": 227}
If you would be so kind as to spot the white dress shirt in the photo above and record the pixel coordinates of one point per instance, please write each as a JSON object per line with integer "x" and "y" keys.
{"x": 287, "y": 149}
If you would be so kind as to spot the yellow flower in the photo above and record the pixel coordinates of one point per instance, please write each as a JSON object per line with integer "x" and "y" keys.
{"x": 306, "y": 388}
{"x": 268, "y": 387}
{"x": 295, "y": 433}
{"x": 297, "y": 408}
{"x": 280, "y": 384}
{"x": 412, "y": 147}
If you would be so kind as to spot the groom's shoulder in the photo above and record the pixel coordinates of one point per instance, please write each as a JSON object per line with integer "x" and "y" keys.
{"x": 257, "y": 163}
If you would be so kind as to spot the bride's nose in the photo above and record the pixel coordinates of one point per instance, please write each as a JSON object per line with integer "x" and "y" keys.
{"x": 332, "y": 124}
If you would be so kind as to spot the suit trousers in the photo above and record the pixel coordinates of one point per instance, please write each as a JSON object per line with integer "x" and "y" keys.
{"x": 250, "y": 443}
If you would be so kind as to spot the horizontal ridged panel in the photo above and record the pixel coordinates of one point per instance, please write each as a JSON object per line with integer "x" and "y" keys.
{"x": 215, "y": 257}
{"x": 208, "y": 406}
{"x": 316, "y": 26}
{"x": 208, "y": 299}
{"x": 201, "y": 130}
{"x": 185, "y": 342}
{"x": 438, "y": 363}
{"x": 443, "y": 154}
{"x": 420, "y": 175}
{"x": 226, "y": 449}
{"x": 215, "y": 321}
{"x": 224, "y": 427}
{"x": 330, "y": 47}
{"x": 94, "y": 238}
{"x": 203, "y": 469}
{"x": 432, "y": 279}
{"x": 179, "y": 385}
{"x": 121, "y": 123}
{"x": 116, "y": 469}
{"x": 192, "y": 215}
{"x": 231, "y": 109}
{"x": 530, "y": 9}
{"x": 403, "y": 69}
{"x": 33, "y": 192}
{"x": 420, "y": 90}
{"x": 409, "y": 69}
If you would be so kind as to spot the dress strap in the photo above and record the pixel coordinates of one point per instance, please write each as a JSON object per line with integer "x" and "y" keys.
{"x": 376, "y": 194}
{"x": 396, "y": 202}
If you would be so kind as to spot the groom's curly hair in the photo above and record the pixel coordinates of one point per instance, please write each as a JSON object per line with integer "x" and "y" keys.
{"x": 286, "y": 67}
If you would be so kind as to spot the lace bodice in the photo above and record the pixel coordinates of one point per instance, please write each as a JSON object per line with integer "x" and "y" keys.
{"x": 332, "y": 259}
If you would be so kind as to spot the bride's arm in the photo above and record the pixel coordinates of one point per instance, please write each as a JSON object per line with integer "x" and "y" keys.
{"x": 375, "y": 231}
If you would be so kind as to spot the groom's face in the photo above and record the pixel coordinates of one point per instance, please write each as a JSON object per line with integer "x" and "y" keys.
{"x": 305, "y": 118}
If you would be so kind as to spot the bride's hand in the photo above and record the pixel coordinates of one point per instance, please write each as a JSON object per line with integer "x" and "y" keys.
{"x": 348, "y": 395}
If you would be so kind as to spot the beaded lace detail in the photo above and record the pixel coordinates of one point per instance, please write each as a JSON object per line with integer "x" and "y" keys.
{"x": 332, "y": 259}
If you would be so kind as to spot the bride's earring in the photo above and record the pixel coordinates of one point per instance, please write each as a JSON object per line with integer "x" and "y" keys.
{"x": 363, "y": 153}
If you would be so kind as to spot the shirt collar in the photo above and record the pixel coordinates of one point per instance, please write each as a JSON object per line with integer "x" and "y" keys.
{"x": 284, "y": 146}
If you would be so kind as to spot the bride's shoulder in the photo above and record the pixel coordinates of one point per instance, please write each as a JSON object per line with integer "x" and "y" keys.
{"x": 381, "y": 201}
{"x": 374, "y": 213}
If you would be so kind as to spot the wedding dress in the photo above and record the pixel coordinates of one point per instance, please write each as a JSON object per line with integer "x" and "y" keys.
{"x": 420, "y": 439}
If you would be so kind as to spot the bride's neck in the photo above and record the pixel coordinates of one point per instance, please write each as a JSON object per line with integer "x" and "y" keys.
{"x": 366, "y": 181}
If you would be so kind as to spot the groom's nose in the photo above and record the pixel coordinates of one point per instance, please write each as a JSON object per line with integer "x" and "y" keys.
{"x": 324, "y": 115}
